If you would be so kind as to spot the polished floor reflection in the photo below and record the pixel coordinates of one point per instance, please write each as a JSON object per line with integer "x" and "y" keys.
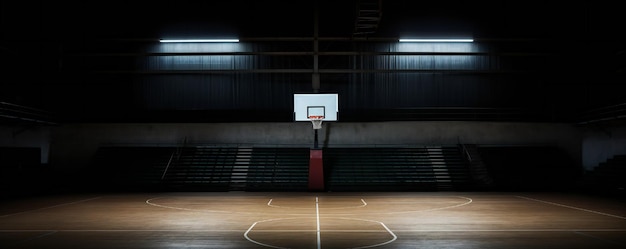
{"x": 314, "y": 220}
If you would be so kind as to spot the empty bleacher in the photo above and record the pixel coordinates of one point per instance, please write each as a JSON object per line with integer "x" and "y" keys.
{"x": 430, "y": 168}
{"x": 201, "y": 168}
{"x": 608, "y": 177}
{"x": 278, "y": 169}
{"x": 255, "y": 168}
{"x": 239, "y": 169}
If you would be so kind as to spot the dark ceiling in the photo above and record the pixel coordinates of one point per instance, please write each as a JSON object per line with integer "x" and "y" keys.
{"x": 584, "y": 39}
{"x": 573, "y": 20}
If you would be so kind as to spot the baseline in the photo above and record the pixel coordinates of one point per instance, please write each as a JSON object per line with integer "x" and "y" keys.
{"x": 54, "y": 206}
{"x": 572, "y": 207}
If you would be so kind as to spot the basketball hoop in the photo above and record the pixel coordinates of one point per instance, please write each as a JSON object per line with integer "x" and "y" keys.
{"x": 316, "y": 121}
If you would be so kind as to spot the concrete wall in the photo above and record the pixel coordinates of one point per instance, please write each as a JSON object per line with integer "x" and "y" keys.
{"x": 74, "y": 144}
{"x": 34, "y": 137}
{"x": 601, "y": 143}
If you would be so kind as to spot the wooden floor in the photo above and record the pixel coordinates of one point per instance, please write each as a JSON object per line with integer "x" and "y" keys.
{"x": 314, "y": 220}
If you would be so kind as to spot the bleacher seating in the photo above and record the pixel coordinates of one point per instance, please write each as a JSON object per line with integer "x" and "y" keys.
{"x": 199, "y": 168}
{"x": 609, "y": 176}
{"x": 278, "y": 169}
{"x": 395, "y": 169}
{"x": 237, "y": 168}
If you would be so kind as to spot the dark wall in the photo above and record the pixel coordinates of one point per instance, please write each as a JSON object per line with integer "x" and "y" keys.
{"x": 13, "y": 158}
{"x": 519, "y": 168}
{"x": 144, "y": 81}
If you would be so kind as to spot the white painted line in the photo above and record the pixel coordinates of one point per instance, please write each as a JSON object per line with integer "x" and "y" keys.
{"x": 256, "y": 242}
{"x": 308, "y": 230}
{"x": 514, "y": 230}
{"x": 387, "y": 230}
{"x": 326, "y": 208}
{"x": 115, "y": 230}
{"x": 151, "y": 203}
{"x": 467, "y": 202}
{"x": 22, "y": 241}
{"x": 598, "y": 238}
{"x": 317, "y": 214}
{"x": 271, "y": 231}
{"x": 364, "y": 204}
{"x": 319, "y": 244}
{"x": 325, "y": 230}
{"x": 384, "y": 243}
{"x": 571, "y": 207}
{"x": 55, "y": 206}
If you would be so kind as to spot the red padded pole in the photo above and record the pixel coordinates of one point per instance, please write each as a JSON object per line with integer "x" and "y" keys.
{"x": 316, "y": 170}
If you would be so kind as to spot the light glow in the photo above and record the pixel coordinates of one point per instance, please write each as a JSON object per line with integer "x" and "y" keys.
{"x": 199, "y": 40}
{"x": 436, "y": 40}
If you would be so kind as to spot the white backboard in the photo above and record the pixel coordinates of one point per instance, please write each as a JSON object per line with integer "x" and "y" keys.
{"x": 326, "y": 104}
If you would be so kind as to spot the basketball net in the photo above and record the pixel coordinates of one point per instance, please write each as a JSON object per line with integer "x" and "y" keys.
{"x": 316, "y": 121}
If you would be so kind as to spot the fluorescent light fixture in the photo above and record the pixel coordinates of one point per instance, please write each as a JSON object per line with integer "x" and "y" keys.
{"x": 199, "y": 40}
{"x": 436, "y": 40}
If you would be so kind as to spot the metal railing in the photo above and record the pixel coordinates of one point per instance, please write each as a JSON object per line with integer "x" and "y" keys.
{"x": 24, "y": 114}
{"x": 168, "y": 165}
{"x": 176, "y": 153}
{"x": 464, "y": 150}
{"x": 602, "y": 114}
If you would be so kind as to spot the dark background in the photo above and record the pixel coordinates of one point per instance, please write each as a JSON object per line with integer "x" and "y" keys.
{"x": 91, "y": 61}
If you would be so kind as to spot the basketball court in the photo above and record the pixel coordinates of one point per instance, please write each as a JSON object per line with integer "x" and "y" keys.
{"x": 314, "y": 220}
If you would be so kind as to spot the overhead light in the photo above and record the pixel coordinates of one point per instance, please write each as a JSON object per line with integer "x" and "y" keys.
{"x": 436, "y": 40}
{"x": 199, "y": 40}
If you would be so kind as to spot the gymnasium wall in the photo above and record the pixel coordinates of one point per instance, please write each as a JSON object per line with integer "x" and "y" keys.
{"x": 72, "y": 145}
{"x": 600, "y": 143}
{"x": 27, "y": 137}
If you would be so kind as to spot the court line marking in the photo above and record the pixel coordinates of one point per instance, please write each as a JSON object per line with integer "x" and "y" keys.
{"x": 317, "y": 214}
{"x": 512, "y": 230}
{"x": 311, "y": 230}
{"x": 35, "y": 237}
{"x": 114, "y": 230}
{"x": 326, "y": 230}
{"x": 393, "y": 235}
{"x": 317, "y": 218}
{"x": 55, "y": 206}
{"x": 151, "y": 203}
{"x": 269, "y": 203}
{"x": 467, "y": 202}
{"x": 598, "y": 238}
{"x": 572, "y": 207}
{"x": 245, "y": 234}
{"x": 379, "y": 244}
